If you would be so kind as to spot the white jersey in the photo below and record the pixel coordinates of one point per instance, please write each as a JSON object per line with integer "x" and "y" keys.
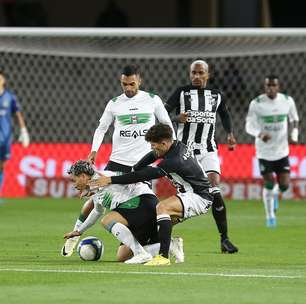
{"x": 114, "y": 195}
{"x": 132, "y": 118}
{"x": 271, "y": 116}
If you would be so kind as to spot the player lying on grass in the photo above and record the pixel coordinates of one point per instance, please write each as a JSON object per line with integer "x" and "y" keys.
{"x": 132, "y": 216}
{"x": 194, "y": 192}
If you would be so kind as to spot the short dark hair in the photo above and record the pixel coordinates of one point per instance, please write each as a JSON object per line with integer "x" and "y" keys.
{"x": 271, "y": 77}
{"x": 158, "y": 133}
{"x": 130, "y": 70}
{"x": 81, "y": 166}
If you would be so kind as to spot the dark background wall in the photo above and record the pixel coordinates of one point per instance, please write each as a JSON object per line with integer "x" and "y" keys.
{"x": 158, "y": 13}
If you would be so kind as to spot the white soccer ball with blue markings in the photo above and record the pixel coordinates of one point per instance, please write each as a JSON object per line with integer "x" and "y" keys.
{"x": 90, "y": 249}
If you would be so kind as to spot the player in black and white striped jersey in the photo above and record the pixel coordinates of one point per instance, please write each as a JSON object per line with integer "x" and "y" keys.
{"x": 196, "y": 108}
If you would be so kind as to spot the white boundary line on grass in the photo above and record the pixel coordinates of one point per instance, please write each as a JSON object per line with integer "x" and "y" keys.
{"x": 199, "y": 274}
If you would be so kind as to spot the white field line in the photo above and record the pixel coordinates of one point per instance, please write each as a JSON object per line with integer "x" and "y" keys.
{"x": 190, "y": 274}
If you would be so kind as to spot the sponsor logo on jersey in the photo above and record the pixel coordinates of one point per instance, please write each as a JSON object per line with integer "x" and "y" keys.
{"x": 135, "y": 133}
{"x": 201, "y": 117}
{"x": 133, "y": 119}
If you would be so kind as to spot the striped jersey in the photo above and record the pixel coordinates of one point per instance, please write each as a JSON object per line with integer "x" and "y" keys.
{"x": 202, "y": 105}
{"x": 271, "y": 116}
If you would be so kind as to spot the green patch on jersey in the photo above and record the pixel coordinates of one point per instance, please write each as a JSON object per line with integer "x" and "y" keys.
{"x": 274, "y": 118}
{"x": 131, "y": 203}
{"x": 151, "y": 94}
{"x": 114, "y": 99}
{"x": 133, "y": 119}
{"x": 107, "y": 200}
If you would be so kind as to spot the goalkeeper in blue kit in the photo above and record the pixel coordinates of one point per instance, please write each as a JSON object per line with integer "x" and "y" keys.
{"x": 8, "y": 109}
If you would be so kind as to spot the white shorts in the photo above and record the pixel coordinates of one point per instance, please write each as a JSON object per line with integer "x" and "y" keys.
{"x": 193, "y": 204}
{"x": 209, "y": 161}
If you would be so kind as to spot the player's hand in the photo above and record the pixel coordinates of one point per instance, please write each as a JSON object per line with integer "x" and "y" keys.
{"x": 71, "y": 234}
{"x": 265, "y": 137}
{"x": 24, "y": 137}
{"x": 182, "y": 117}
{"x": 231, "y": 141}
{"x": 91, "y": 158}
{"x": 100, "y": 182}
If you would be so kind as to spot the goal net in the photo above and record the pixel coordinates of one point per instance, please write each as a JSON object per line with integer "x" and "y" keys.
{"x": 64, "y": 78}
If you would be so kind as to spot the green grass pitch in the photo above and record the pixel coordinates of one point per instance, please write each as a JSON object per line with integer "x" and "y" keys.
{"x": 269, "y": 268}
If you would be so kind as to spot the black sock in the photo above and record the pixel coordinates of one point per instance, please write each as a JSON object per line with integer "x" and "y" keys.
{"x": 164, "y": 232}
{"x": 219, "y": 213}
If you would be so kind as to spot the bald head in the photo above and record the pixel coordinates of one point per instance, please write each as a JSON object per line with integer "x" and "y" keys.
{"x": 199, "y": 73}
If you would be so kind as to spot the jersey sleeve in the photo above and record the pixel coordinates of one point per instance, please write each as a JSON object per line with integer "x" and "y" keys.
{"x": 173, "y": 101}
{"x": 162, "y": 115}
{"x": 105, "y": 121}
{"x": 225, "y": 115}
{"x": 252, "y": 125}
{"x": 92, "y": 217}
{"x": 15, "y": 107}
{"x": 293, "y": 115}
{"x": 145, "y": 174}
{"x": 148, "y": 159}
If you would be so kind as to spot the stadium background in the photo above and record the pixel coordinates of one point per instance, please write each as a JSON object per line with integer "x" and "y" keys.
{"x": 64, "y": 92}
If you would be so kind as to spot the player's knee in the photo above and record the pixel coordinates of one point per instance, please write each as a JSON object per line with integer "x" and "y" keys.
{"x": 283, "y": 187}
{"x": 107, "y": 224}
{"x": 269, "y": 185}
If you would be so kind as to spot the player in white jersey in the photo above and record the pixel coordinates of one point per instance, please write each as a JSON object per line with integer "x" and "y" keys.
{"x": 267, "y": 121}
{"x": 132, "y": 114}
{"x": 132, "y": 216}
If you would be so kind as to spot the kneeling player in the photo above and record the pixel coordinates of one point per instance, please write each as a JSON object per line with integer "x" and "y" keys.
{"x": 132, "y": 219}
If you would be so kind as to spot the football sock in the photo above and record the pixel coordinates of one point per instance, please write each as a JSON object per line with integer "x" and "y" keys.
{"x": 268, "y": 200}
{"x": 219, "y": 213}
{"x": 153, "y": 249}
{"x": 164, "y": 232}
{"x": 125, "y": 236}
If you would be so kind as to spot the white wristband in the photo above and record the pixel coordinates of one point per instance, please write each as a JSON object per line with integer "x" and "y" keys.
{"x": 294, "y": 134}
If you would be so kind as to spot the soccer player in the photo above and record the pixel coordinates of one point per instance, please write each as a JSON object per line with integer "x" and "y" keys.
{"x": 132, "y": 113}
{"x": 196, "y": 108}
{"x": 267, "y": 121}
{"x": 132, "y": 216}
{"x": 9, "y": 108}
{"x": 194, "y": 192}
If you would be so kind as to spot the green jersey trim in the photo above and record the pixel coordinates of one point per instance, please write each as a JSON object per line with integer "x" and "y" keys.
{"x": 132, "y": 119}
{"x": 132, "y": 203}
{"x": 274, "y": 118}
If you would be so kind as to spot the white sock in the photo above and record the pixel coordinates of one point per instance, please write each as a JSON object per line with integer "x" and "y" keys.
{"x": 276, "y": 189}
{"x": 153, "y": 249}
{"x": 268, "y": 201}
{"x": 77, "y": 224}
{"x": 125, "y": 236}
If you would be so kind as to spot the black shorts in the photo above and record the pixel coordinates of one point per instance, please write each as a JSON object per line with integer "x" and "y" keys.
{"x": 142, "y": 220}
{"x": 277, "y": 166}
{"x": 116, "y": 167}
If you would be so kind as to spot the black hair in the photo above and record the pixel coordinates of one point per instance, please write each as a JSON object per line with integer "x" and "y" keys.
{"x": 271, "y": 77}
{"x": 81, "y": 166}
{"x": 158, "y": 133}
{"x": 130, "y": 70}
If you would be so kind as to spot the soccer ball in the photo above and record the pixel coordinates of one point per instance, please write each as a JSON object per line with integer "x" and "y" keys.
{"x": 90, "y": 249}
